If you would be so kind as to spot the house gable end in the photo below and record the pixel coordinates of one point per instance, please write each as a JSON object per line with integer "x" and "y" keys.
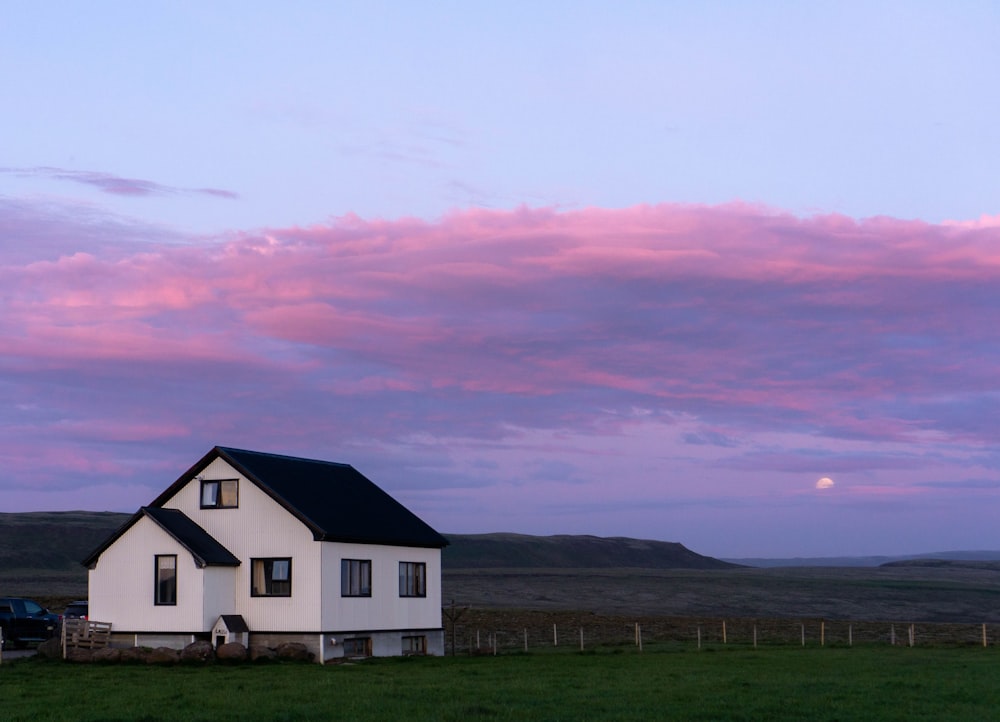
{"x": 220, "y": 452}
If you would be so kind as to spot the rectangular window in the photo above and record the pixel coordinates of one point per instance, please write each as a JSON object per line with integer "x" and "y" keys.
{"x": 412, "y": 579}
{"x": 415, "y": 645}
{"x": 165, "y": 592}
{"x": 271, "y": 577}
{"x": 358, "y": 647}
{"x": 355, "y": 577}
{"x": 220, "y": 493}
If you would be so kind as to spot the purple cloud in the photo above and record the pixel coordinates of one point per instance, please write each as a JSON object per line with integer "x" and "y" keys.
{"x": 116, "y": 185}
{"x": 701, "y": 356}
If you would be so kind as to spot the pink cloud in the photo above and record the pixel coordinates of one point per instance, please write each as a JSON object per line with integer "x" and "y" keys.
{"x": 752, "y": 322}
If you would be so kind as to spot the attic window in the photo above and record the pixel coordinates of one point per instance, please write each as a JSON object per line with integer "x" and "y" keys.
{"x": 220, "y": 493}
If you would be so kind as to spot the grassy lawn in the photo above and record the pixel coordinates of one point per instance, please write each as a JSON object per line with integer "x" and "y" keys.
{"x": 715, "y": 684}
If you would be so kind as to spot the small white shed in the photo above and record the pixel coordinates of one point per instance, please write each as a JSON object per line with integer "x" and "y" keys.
{"x": 230, "y": 628}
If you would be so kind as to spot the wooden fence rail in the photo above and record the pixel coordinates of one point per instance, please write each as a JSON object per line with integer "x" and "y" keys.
{"x": 508, "y": 631}
{"x": 84, "y": 634}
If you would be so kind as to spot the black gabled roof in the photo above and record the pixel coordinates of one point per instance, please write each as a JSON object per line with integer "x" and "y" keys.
{"x": 205, "y": 549}
{"x": 235, "y": 623}
{"x": 335, "y": 501}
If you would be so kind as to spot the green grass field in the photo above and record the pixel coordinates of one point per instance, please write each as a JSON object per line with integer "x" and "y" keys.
{"x": 786, "y": 683}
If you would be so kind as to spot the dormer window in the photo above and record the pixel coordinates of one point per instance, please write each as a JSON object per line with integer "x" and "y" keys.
{"x": 220, "y": 493}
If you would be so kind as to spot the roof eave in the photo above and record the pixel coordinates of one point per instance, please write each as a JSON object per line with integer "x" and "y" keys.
{"x": 382, "y": 542}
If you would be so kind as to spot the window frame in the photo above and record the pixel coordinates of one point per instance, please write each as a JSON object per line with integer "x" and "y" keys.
{"x": 266, "y": 587}
{"x": 162, "y": 583}
{"x": 364, "y": 642}
{"x": 418, "y": 649}
{"x": 413, "y": 579}
{"x": 348, "y": 567}
{"x": 219, "y": 496}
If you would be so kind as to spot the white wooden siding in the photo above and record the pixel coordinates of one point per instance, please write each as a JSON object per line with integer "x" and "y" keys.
{"x": 121, "y": 585}
{"x": 385, "y": 609}
{"x": 220, "y": 593}
{"x": 258, "y": 527}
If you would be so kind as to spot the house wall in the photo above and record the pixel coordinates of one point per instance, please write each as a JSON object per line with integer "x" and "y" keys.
{"x": 121, "y": 585}
{"x": 220, "y": 593}
{"x": 384, "y": 609}
{"x": 258, "y": 527}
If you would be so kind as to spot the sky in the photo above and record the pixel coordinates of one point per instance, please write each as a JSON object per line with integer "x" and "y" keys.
{"x": 720, "y": 273}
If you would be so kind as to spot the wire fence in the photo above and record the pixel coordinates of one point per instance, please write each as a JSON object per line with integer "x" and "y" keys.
{"x": 470, "y": 631}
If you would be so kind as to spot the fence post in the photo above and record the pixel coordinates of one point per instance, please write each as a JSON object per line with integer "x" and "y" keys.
{"x": 699, "y": 637}
{"x": 803, "y": 635}
{"x": 723, "y": 631}
{"x": 850, "y": 635}
{"x": 984, "y": 634}
{"x": 581, "y": 639}
{"x": 555, "y": 636}
{"x": 525, "y": 639}
{"x": 911, "y": 635}
{"x": 892, "y": 635}
{"x": 822, "y": 634}
{"x": 755, "y": 636}
{"x": 638, "y": 631}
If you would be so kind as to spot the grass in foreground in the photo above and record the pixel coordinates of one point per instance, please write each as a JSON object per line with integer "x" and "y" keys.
{"x": 722, "y": 684}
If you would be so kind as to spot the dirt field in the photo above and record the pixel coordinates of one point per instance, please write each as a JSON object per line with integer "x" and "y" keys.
{"x": 910, "y": 594}
{"x": 830, "y": 606}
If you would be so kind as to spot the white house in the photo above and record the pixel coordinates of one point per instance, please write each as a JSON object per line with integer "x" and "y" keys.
{"x": 287, "y": 549}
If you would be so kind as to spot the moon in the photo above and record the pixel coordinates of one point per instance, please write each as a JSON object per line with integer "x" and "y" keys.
{"x": 825, "y": 483}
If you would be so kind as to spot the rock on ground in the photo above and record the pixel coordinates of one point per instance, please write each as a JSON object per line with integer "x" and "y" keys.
{"x": 200, "y": 651}
{"x": 107, "y": 654}
{"x": 260, "y": 652}
{"x": 231, "y": 652}
{"x": 295, "y": 651}
{"x": 163, "y": 655}
{"x": 50, "y": 649}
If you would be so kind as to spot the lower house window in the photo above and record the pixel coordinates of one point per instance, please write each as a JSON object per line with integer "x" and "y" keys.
{"x": 415, "y": 645}
{"x": 358, "y": 647}
{"x": 165, "y": 590}
{"x": 412, "y": 579}
{"x": 355, "y": 577}
{"x": 271, "y": 577}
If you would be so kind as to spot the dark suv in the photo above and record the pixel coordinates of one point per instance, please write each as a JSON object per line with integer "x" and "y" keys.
{"x": 23, "y": 621}
{"x": 76, "y": 610}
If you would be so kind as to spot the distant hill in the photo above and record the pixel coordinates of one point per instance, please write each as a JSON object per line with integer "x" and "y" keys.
{"x": 493, "y": 551}
{"x": 53, "y": 540}
{"x": 58, "y": 540}
{"x": 870, "y": 561}
{"x": 946, "y": 564}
